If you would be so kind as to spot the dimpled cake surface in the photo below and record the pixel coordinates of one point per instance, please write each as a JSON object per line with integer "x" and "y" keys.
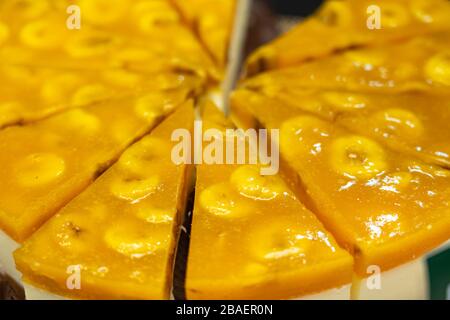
{"x": 30, "y": 94}
{"x": 385, "y": 207}
{"x": 122, "y": 230}
{"x": 43, "y": 170}
{"x": 413, "y": 122}
{"x": 419, "y": 64}
{"x": 252, "y": 238}
{"x": 122, "y": 34}
{"x": 348, "y": 24}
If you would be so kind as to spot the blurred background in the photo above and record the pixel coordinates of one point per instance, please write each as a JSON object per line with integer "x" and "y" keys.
{"x": 270, "y": 18}
{"x": 293, "y": 7}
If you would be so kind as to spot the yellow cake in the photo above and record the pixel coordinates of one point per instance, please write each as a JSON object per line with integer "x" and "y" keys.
{"x": 413, "y": 122}
{"x": 384, "y": 207}
{"x": 421, "y": 63}
{"x": 127, "y": 34}
{"x": 92, "y": 195}
{"x": 343, "y": 24}
{"x": 213, "y": 20}
{"x": 46, "y": 164}
{"x": 252, "y": 238}
{"x": 31, "y": 93}
{"x": 122, "y": 231}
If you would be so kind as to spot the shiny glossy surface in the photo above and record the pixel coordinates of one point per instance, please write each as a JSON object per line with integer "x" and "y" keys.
{"x": 351, "y": 23}
{"x": 421, "y": 64}
{"x": 124, "y": 245}
{"x": 46, "y": 164}
{"x": 386, "y": 207}
{"x": 213, "y": 21}
{"x": 252, "y": 238}
{"x": 81, "y": 97}
{"x": 415, "y": 123}
{"x": 129, "y": 34}
{"x": 31, "y": 93}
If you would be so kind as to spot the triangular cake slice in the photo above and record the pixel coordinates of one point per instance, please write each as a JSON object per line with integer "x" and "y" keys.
{"x": 45, "y": 164}
{"x": 213, "y": 20}
{"x": 128, "y": 34}
{"x": 121, "y": 232}
{"x": 414, "y": 122}
{"x": 418, "y": 64}
{"x": 251, "y": 238}
{"x": 343, "y": 24}
{"x": 387, "y": 208}
{"x": 30, "y": 93}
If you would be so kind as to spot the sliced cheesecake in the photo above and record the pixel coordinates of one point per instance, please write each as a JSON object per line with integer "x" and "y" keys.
{"x": 385, "y": 207}
{"x": 121, "y": 232}
{"x": 252, "y": 238}
{"x": 343, "y": 24}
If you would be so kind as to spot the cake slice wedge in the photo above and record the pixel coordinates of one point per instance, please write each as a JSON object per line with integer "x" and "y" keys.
{"x": 251, "y": 237}
{"x": 213, "y": 21}
{"x": 387, "y": 208}
{"x": 419, "y": 64}
{"x": 125, "y": 34}
{"x": 347, "y": 24}
{"x": 415, "y": 123}
{"x": 32, "y": 93}
{"x": 120, "y": 232}
{"x": 47, "y": 163}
